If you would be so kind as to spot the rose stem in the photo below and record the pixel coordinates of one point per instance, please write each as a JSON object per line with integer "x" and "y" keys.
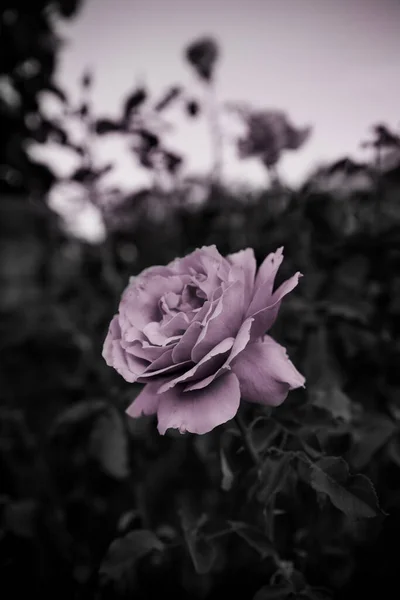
{"x": 247, "y": 442}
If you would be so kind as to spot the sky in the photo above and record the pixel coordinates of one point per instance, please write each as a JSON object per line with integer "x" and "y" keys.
{"x": 330, "y": 63}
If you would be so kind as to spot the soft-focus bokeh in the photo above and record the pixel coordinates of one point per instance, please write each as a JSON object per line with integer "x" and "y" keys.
{"x": 132, "y": 133}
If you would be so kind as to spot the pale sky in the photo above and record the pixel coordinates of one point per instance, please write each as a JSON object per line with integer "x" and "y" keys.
{"x": 330, "y": 63}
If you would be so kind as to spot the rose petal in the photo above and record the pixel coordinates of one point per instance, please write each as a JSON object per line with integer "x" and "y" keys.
{"x": 161, "y": 366}
{"x": 216, "y": 270}
{"x": 265, "y": 373}
{"x": 157, "y": 334}
{"x": 264, "y": 319}
{"x": 130, "y": 367}
{"x": 193, "y": 261}
{"x": 146, "y": 403}
{"x": 264, "y": 282}
{"x": 142, "y": 349}
{"x": 130, "y": 333}
{"x": 140, "y": 301}
{"x": 240, "y": 343}
{"x": 200, "y": 411}
{"x": 223, "y": 323}
{"x": 245, "y": 259}
{"x": 209, "y": 307}
{"x": 162, "y": 270}
{"x": 208, "y": 364}
{"x": 185, "y": 345}
{"x": 114, "y": 333}
{"x": 175, "y": 325}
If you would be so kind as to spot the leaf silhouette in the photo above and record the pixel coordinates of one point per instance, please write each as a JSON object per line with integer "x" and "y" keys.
{"x": 354, "y": 495}
{"x": 77, "y": 413}
{"x": 124, "y": 553}
{"x": 202, "y": 552}
{"x": 255, "y": 538}
{"x": 277, "y": 591}
{"x": 105, "y": 126}
{"x": 275, "y": 470}
{"x": 133, "y": 102}
{"x": 172, "y": 94}
{"x": 109, "y": 445}
{"x": 374, "y": 433}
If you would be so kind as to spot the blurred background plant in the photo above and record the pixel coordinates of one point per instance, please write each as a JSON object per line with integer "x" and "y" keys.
{"x": 93, "y": 505}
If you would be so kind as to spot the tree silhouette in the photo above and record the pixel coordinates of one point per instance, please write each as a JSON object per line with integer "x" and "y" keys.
{"x": 29, "y": 47}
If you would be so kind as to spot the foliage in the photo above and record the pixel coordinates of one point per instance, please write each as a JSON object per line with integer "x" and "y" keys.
{"x": 29, "y": 46}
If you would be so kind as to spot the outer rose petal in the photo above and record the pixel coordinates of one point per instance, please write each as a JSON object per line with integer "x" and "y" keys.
{"x": 114, "y": 333}
{"x": 146, "y": 403}
{"x": 185, "y": 345}
{"x": 142, "y": 349}
{"x": 208, "y": 364}
{"x": 223, "y": 323}
{"x": 202, "y": 410}
{"x": 265, "y": 318}
{"x": 264, "y": 283}
{"x": 246, "y": 261}
{"x": 194, "y": 260}
{"x": 265, "y": 373}
{"x": 162, "y": 366}
{"x": 240, "y": 343}
{"x": 129, "y": 367}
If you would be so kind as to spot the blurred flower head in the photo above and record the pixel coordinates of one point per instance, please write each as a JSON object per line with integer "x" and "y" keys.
{"x": 202, "y": 55}
{"x": 194, "y": 332}
{"x": 268, "y": 134}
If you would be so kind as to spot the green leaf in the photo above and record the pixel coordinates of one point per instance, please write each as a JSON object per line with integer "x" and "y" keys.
{"x": 263, "y": 432}
{"x": 316, "y": 594}
{"x": 126, "y": 519}
{"x": 329, "y": 396}
{"x": 277, "y": 591}
{"x": 254, "y": 537}
{"x": 307, "y": 417}
{"x": 133, "y": 102}
{"x": 274, "y": 472}
{"x": 79, "y": 412}
{"x": 324, "y": 388}
{"x": 311, "y": 444}
{"x": 374, "y": 433}
{"x": 109, "y": 444}
{"x": 202, "y": 552}
{"x": 318, "y": 359}
{"x": 354, "y": 495}
{"x": 106, "y": 126}
{"x": 124, "y": 553}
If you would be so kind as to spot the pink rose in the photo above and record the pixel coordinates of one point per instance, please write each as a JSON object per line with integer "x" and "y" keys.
{"x": 194, "y": 333}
